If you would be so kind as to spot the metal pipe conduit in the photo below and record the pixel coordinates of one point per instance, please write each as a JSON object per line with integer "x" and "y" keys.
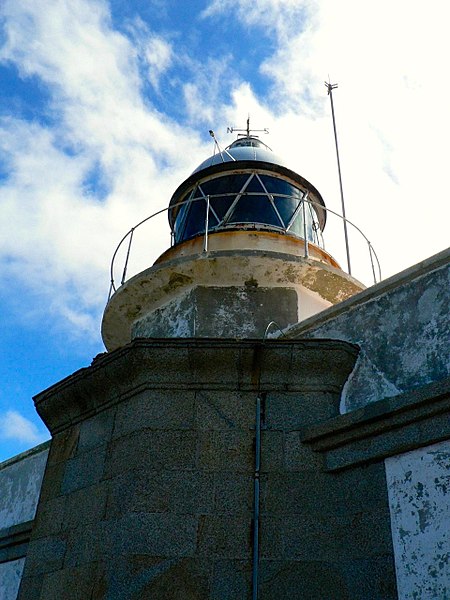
{"x": 256, "y": 495}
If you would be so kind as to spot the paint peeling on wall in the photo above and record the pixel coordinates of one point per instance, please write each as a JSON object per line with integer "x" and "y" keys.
{"x": 20, "y": 485}
{"x": 10, "y": 575}
{"x": 403, "y": 332}
{"x": 419, "y": 499}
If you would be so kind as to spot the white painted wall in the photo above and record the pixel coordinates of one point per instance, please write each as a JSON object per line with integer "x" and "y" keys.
{"x": 20, "y": 485}
{"x": 10, "y": 575}
{"x": 419, "y": 498}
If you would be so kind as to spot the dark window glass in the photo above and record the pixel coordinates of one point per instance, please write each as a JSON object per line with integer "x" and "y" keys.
{"x": 278, "y": 186}
{"x": 221, "y": 204}
{"x": 254, "y": 209}
{"x": 179, "y": 221}
{"x": 195, "y": 220}
{"x": 224, "y": 185}
{"x": 253, "y": 206}
{"x": 297, "y": 226}
{"x": 254, "y": 186}
{"x": 286, "y": 207}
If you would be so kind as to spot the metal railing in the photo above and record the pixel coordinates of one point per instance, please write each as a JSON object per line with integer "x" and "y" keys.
{"x": 129, "y": 237}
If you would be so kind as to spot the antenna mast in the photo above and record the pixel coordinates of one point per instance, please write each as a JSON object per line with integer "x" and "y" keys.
{"x": 330, "y": 87}
{"x": 248, "y": 131}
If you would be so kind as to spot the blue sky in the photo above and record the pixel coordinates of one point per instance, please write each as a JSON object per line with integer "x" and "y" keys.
{"x": 105, "y": 107}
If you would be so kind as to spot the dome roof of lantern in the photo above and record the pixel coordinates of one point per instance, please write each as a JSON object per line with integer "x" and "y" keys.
{"x": 243, "y": 148}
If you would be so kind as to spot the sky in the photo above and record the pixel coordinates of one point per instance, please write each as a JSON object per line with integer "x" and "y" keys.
{"x": 105, "y": 108}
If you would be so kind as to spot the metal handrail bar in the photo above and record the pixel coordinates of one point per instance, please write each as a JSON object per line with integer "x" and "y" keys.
{"x": 372, "y": 252}
{"x": 356, "y": 227}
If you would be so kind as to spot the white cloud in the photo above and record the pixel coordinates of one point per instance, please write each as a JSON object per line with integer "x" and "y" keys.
{"x": 391, "y": 108}
{"x": 158, "y": 54}
{"x": 57, "y": 234}
{"x": 61, "y": 235}
{"x": 14, "y": 426}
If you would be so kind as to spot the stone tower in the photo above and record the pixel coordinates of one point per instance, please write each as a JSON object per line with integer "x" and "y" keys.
{"x": 180, "y": 465}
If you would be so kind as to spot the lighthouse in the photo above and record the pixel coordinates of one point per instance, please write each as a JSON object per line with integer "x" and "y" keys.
{"x": 200, "y": 458}
{"x": 247, "y": 255}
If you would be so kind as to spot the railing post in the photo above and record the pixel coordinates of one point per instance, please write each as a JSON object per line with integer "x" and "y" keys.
{"x": 205, "y": 245}
{"x": 127, "y": 257}
{"x": 371, "y": 262}
{"x": 304, "y": 229}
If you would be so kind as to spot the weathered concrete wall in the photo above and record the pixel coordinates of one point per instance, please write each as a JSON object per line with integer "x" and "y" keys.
{"x": 20, "y": 484}
{"x": 419, "y": 488}
{"x": 245, "y": 272}
{"x": 152, "y": 497}
{"x": 402, "y": 326}
{"x": 10, "y": 575}
{"x": 221, "y": 312}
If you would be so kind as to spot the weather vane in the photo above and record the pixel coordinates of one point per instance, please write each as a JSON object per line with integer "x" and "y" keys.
{"x": 247, "y": 130}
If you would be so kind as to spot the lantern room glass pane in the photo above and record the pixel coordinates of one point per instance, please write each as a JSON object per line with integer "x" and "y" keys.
{"x": 221, "y": 204}
{"x": 286, "y": 207}
{"x": 179, "y": 221}
{"x": 257, "y": 195}
{"x": 279, "y": 186}
{"x": 252, "y": 208}
{"x": 254, "y": 186}
{"x": 224, "y": 185}
{"x": 195, "y": 220}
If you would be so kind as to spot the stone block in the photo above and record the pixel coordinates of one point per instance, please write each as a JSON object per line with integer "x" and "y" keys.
{"x": 226, "y": 450}
{"x": 84, "y": 470}
{"x": 335, "y": 537}
{"x": 233, "y": 493}
{"x": 45, "y": 555}
{"x": 96, "y": 431}
{"x": 289, "y": 411}
{"x": 215, "y": 370}
{"x": 217, "y": 410}
{"x": 30, "y": 588}
{"x": 51, "y": 484}
{"x": 231, "y": 580}
{"x": 183, "y": 578}
{"x": 149, "y": 534}
{"x": 275, "y": 365}
{"x": 302, "y": 580}
{"x": 63, "y": 445}
{"x": 224, "y": 536}
{"x": 272, "y": 451}
{"x": 318, "y": 493}
{"x": 86, "y": 505}
{"x": 271, "y": 538}
{"x": 161, "y": 365}
{"x": 155, "y": 409}
{"x": 70, "y": 584}
{"x": 49, "y": 518}
{"x": 152, "y": 450}
{"x": 380, "y": 584}
{"x": 146, "y": 578}
{"x": 298, "y": 456}
{"x": 177, "y": 492}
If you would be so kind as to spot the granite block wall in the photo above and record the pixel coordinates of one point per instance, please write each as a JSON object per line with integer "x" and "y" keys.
{"x": 150, "y": 495}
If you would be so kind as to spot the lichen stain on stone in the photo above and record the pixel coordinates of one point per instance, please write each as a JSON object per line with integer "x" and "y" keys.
{"x": 133, "y": 311}
{"x": 330, "y": 286}
{"x": 176, "y": 280}
{"x": 251, "y": 283}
